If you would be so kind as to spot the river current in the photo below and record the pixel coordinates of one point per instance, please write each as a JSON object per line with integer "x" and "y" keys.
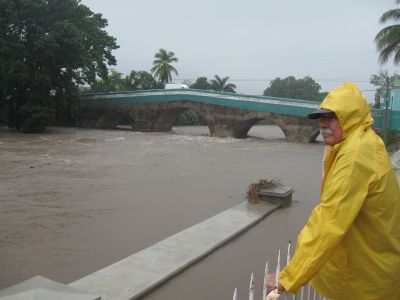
{"x": 75, "y": 200}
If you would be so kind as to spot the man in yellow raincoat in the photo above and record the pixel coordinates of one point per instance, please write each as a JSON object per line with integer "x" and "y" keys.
{"x": 350, "y": 247}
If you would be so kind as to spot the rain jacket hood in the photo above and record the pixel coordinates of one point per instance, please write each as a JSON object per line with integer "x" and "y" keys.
{"x": 350, "y": 246}
{"x": 350, "y": 107}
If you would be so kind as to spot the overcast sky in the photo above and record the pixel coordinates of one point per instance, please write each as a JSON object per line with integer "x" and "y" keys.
{"x": 251, "y": 41}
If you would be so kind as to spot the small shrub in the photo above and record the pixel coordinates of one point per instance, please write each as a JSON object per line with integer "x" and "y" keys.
{"x": 35, "y": 118}
{"x": 190, "y": 118}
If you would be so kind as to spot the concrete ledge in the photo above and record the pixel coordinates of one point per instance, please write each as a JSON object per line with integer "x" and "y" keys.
{"x": 41, "y": 288}
{"x": 139, "y": 273}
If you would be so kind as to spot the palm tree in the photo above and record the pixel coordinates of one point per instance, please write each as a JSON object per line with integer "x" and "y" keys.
{"x": 220, "y": 84}
{"x": 388, "y": 39}
{"x": 162, "y": 67}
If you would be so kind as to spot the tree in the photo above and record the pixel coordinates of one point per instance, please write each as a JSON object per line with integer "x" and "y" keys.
{"x": 201, "y": 83}
{"x": 142, "y": 80}
{"x": 380, "y": 81}
{"x": 162, "y": 67}
{"x": 113, "y": 82}
{"x": 47, "y": 49}
{"x": 388, "y": 39}
{"x": 191, "y": 118}
{"x": 221, "y": 84}
{"x": 290, "y": 87}
{"x": 116, "y": 82}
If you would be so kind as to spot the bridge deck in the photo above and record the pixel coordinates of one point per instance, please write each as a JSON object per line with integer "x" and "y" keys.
{"x": 249, "y": 102}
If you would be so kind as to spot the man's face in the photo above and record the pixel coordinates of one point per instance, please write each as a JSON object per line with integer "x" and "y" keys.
{"x": 330, "y": 129}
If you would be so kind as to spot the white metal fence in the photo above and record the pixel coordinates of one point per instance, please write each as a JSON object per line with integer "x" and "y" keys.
{"x": 306, "y": 292}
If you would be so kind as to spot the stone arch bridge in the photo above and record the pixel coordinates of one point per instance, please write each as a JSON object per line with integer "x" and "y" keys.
{"x": 226, "y": 114}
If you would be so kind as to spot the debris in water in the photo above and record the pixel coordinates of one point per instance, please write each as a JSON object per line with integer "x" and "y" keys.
{"x": 253, "y": 193}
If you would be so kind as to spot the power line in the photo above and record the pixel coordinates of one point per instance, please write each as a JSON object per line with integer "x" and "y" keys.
{"x": 268, "y": 79}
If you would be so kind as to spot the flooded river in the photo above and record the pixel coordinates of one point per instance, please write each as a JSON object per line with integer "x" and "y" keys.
{"x": 76, "y": 200}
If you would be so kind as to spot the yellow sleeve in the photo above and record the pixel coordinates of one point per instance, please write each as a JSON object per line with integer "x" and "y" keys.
{"x": 342, "y": 195}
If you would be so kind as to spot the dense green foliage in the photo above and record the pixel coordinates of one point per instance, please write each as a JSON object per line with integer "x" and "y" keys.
{"x": 388, "y": 39}
{"x": 381, "y": 81}
{"x": 47, "y": 49}
{"x": 115, "y": 81}
{"x": 221, "y": 85}
{"x": 142, "y": 80}
{"x": 290, "y": 87}
{"x": 190, "y": 117}
{"x": 217, "y": 84}
{"x": 201, "y": 83}
{"x": 162, "y": 67}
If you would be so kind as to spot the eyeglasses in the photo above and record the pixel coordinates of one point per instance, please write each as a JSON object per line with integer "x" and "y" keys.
{"x": 328, "y": 116}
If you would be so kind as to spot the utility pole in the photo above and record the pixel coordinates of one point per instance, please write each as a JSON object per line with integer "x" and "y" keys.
{"x": 385, "y": 124}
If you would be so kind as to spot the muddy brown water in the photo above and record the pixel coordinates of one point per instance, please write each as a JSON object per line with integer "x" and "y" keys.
{"x": 75, "y": 200}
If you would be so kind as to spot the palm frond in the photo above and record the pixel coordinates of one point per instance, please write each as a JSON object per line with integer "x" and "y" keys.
{"x": 221, "y": 85}
{"x": 387, "y": 42}
{"x": 396, "y": 57}
{"x": 387, "y": 52}
{"x": 253, "y": 191}
{"x": 174, "y": 70}
{"x": 393, "y": 14}
{"x": 387, "y": 35}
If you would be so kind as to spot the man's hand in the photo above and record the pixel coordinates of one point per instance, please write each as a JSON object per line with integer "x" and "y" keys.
{"x": 273, "y": 291}
{"x": 271, "y": 282}
{"x": 273, "y": 295}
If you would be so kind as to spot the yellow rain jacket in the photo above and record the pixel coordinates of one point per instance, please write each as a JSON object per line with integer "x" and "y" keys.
{"x": 350, "y": 246}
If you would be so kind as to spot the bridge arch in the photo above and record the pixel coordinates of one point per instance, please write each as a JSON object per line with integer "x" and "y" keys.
{"x": 261, "y": 121}
{"x": 297, "y": 129}
{"x": 111, "y": 119}
{"x": 169, "y": 117}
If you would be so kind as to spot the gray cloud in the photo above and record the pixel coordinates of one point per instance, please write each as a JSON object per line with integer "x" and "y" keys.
{"x": 251, "y": 41}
